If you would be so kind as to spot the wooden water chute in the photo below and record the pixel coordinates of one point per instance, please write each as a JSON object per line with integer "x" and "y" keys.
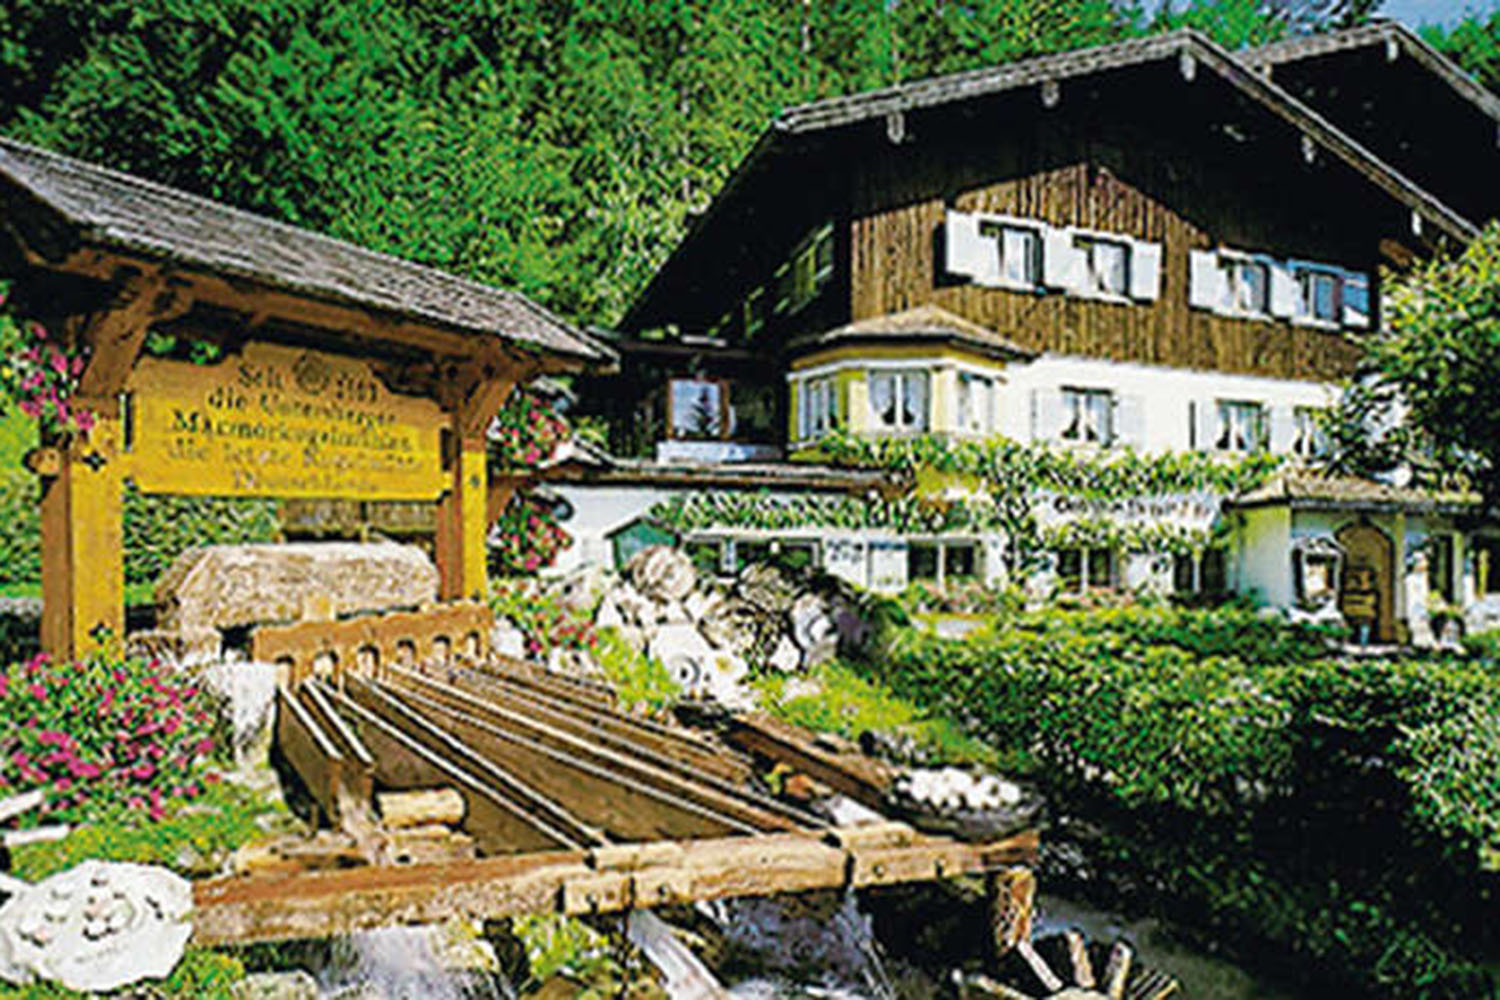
{"x": 572, "y": 805}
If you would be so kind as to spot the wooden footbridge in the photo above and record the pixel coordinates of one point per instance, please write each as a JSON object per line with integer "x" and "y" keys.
{"x": 569, "y": 805}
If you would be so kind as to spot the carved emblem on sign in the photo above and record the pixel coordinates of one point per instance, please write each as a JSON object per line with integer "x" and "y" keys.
{"x": 311, "y": 373}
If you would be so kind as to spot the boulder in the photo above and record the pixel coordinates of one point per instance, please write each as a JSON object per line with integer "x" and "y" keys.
{"x": 813, "y": 630}
{"x": 731, "y": 624}
{"x": 634, "y": 609}
{"x": 699, "y": 603}
{"x": 767, "y": 588}
{"x": 508, "y": 640}
{"x": 608, "y": 615}
{"x": 295, "y": 985}
{"x": 222, "y": 586}
{"x": 662, "y": 574}
{"x": 786, "y": 657}
{"x": 247, "y": 693}
{"x": 96, "y": 927}
{"x": 685, "y": 653}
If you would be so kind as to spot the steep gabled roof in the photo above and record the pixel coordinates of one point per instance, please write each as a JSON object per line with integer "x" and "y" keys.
{"x": 96, "y": 207}
{"x": 924, "y": 324}
{"x": 820, "y": 122}
{"x": 1383, "y": 33}
{"x": 1390, "y": 90}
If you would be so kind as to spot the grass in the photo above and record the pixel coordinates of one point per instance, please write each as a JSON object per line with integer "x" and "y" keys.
{"x": 834, "y": 698}
{"x": 636, "y": 678}
{"x": 135, "y": 593}
{"x": 225, "y": 818}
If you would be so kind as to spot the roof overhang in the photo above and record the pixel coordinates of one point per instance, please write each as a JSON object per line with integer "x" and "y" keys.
{"x": 67, "y": 217}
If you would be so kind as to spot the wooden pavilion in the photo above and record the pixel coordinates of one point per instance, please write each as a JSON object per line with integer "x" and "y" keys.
{"x": 345, "y": 373}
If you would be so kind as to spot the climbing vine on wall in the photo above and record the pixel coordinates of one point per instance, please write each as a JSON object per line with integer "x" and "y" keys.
{"x": 1006, "y": 478}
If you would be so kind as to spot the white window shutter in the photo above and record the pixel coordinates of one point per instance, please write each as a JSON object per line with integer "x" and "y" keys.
{"x": 1284, "y": 292}
{"x": 1145, "y": 270}
{"x": 1357, "y": 294}
{"x": 1062, "y": 262}
{"x": 966, "y": 253}
{"x": 1130, "y": 421}
{"x": 1046, "y": 414}
{"x": 1206, "y": 285}
{"x": 1208, "y": 424}
{"x": 1283, "y": 429}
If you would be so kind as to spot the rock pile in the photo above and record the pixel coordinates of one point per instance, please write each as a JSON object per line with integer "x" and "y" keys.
{"x": 956, "y": 802}
{"x": 708, "y": 634}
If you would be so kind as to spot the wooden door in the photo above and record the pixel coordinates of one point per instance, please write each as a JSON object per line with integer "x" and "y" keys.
{"x": 1367, "y": 590}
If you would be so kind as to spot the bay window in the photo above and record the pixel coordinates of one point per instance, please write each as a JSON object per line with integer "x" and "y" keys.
{"x": 817, "y": 408}
{"x": 899, "y": 400}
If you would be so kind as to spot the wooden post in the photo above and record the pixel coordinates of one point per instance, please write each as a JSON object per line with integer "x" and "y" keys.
{"x": 1012, "y": 898}
{"x": 83, "y": 565}
{"x": 463, "y": 521}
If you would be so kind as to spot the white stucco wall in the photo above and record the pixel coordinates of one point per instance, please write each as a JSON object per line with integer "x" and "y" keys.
{"x": 1161, "y": 394}
{"x": 1263, "y": 555}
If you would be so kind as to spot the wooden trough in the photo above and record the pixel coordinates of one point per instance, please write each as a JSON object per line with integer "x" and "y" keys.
{"x": 563, "y": 803}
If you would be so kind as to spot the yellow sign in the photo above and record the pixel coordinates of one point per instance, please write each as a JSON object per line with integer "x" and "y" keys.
{"x": 283, "y": 422}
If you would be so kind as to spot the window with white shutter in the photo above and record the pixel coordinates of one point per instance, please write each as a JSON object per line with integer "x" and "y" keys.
{"x": 1088, "y": 416}
{"x": 976, "y": 403}
{"x": 1145, "y": 271}
{"x": 1064, "y": 265}
{"x": 1207, "y": 284}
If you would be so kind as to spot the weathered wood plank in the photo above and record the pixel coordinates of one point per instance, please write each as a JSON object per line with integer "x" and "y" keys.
{"x": 323, "y": 904}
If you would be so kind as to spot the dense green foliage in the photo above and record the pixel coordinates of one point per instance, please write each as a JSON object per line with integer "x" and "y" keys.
{"x": 157, "y": 528}
{"x": 1434, "y": 368}
{"x": 1473, "y": 43}
{"x": 553, "y": 147}
{"x": 1345, "y": 811}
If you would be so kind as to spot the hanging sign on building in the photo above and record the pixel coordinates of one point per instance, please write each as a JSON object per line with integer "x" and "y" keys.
{"x": 280, "y": 421}
{"x": 1188, "y": 511}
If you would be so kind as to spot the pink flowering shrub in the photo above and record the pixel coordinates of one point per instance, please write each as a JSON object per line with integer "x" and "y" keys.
{"x": 39, "y": 374}
{"x": 526, "y": 537}
{"x": 546, "y": 623}
{"x": 102, "y": 735}
{"x": 526, "y": 432}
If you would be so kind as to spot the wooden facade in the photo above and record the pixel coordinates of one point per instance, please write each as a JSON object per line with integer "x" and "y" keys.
{"x": 1171, "y": 140}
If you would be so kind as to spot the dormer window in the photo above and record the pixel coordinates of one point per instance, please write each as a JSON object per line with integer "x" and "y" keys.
{"x": 1106, "y": 266}
{"x": 898, "y": 400}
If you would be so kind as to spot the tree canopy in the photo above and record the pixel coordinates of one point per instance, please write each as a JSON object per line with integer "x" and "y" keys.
{"x": 554, "y": 146}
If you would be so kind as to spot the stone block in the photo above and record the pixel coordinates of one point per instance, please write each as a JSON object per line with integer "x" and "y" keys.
{"x": 223, "y": 586}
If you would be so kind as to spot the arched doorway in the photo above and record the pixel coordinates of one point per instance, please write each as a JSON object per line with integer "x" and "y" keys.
{"x": 1367, "y": 587}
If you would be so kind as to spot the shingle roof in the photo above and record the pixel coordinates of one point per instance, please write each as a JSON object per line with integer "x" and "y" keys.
{"x": 1306, "y": 488}
{"x": 117, "y": 211}
{"x": 924, "y": 323}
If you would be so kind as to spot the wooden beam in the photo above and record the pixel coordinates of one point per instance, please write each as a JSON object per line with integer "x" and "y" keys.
{"x": 235, "y": 911}
{"x": 116, "y": 336}
{"x": 862, "y": 778}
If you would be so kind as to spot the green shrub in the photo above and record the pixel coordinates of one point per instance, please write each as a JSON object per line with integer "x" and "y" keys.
{"x": 637, "y": 678}
{"x": 157, "y": 528}
{"x": 103, "y": 736}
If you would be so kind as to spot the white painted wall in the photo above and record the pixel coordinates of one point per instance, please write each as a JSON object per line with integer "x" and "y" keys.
{"x": 597, "y": 511}
{"x": 1263, "y": 547}
{"x": 1162, "y": 393}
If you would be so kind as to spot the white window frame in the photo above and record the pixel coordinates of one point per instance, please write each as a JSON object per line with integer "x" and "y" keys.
{"x": 899, "y": 377}
{"x": 1305, "y": 314}
{"x": 995, "y": 228}
{"x": 1224, "y": 429}
{"x": 1084, "y": 583}
{"x": 1084, "y": 241}
{"x": 967, "y": 382}
{"x": 1308, "y": 440}
{"x": 1234, "y": 264}
{"x": 817, "y": 407}
{"x": 1077, "y": 397}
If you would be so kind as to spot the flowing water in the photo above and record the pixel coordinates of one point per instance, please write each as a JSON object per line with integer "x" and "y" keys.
{"x": 399, "y": 962}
